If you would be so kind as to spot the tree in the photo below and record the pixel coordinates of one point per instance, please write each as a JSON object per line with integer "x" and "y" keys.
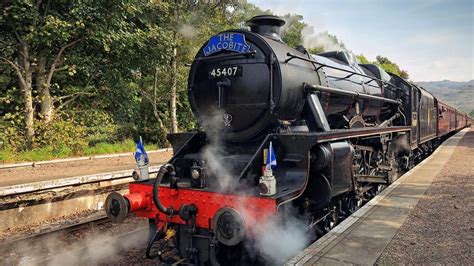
{"x": 296, "y": 32}
{"x": 39, "y": 35}
{"x": 362, "y": 59}
{"x": 385, "y": 64}
{"x": 291, "y": 33}
{"x": 390, "y": 67}
{"x": 114, "y": 70}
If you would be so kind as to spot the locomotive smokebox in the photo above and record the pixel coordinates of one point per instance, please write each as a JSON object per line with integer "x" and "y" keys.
{"x": 266, "y": 25}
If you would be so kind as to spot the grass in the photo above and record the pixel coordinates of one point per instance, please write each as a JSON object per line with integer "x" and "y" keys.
{"x": 47, "y": 153}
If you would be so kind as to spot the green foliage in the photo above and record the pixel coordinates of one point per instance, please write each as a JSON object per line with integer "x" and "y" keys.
{"x": 64, "y": 136}
{"x": 316, "y": 50}
{"x": 291, "y": 33}
{"x": 390, "y": 67}
{"x": 113, "y": 84}
{"x": 13, "y": 139}
{"x": 127, "y": 145}
{"x": 36, "y": 154}
{"x": 385, "y": 64}
{"x": 49, "y": 152}
{"x": 362, "y": 59}
{"x": 7, "y": 156}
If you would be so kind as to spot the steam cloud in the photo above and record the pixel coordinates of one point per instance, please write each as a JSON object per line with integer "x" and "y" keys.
{"x": 274, "y": 239}
{"x": 214, "y": 152}
{"x": 321, "y": 39}
{"x": 278, "y": 239}
{"x": 92, "y": 250}
{"x": 188, "y": 31}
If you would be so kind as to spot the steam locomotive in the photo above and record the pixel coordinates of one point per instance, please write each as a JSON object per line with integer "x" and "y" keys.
{"x": 284, "y": 134}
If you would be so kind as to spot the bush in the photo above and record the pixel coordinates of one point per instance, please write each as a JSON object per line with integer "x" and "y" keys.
{"x": 104, "y": 148}
{"x": 13, "y": 139}
{"x": 65, "y": 137}
{"x": 99, "y": 126}
{"x": 7, "y": 156}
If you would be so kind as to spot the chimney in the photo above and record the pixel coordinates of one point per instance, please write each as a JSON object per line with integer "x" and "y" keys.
{"x": 267, "y": 25}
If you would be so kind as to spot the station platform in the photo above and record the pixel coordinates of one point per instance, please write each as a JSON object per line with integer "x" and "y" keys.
{"x": 27, "y": 173}
{"x": 415, "y": 220}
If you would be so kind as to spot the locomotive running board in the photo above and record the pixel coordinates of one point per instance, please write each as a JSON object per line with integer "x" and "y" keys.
{"x": 340, "y": 134}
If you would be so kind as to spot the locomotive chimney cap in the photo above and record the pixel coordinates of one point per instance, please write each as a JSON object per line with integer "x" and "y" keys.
{"x": 266, "y": 25}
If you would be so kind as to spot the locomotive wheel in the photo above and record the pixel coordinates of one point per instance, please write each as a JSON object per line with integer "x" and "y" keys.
{"x": 350, "y": 204}
{"x": 356, "y": 122}
{"x": 353, "y": 204}
{"x": 380, "y": 188}
{"x": 331, "y": 220}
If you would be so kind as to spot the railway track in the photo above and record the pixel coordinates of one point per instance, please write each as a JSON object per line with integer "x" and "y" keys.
{"x": 74, "y": 242}
{"x": 50, "y": 231}
{"x": 74, "y": 159}
{"x": 27, "y": 205}
{"x": 25, "y": 208}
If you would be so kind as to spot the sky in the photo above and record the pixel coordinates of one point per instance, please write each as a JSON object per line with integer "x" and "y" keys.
{"x": 431, "y": 39}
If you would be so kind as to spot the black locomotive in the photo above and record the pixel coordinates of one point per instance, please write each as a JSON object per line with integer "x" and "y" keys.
{"x": 282, "y": 129}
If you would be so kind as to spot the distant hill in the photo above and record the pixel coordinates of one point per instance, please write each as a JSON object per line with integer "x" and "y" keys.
{"x": 457, "y": 94}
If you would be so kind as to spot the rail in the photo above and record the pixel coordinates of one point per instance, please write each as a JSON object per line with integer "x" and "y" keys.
{"x": 23, "y": 244}
{"x": 75, "y": 159}
{"x": 70, "y": 181}
{"x": 349, "y": 93}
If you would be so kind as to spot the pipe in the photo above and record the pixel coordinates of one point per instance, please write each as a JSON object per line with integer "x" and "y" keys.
{"x": 212, "y": 252}
{"x": 348, "y": 93}
{"x": 156, "y": 237}
{"x": 167, "y": 168}
{"x": 390, "y": 120}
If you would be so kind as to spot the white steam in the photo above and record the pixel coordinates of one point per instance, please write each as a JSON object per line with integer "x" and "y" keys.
{"x": 281, "y": 240}
{"x": 214, "y": 152}
{"x": 320, "y": 39}
{"x": 188, "y": 31}
{"x": 92, "y": 249}
{"x": 276, "y": 238}
{"x": 99, "y": 249}
{"x": 273, "y": 238}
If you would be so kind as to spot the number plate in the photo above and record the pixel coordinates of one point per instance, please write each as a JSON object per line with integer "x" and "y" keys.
{"x": 227, "y": 71}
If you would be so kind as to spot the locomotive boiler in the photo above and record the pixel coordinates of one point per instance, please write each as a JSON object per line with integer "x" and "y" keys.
{"x": 282, "y": 133}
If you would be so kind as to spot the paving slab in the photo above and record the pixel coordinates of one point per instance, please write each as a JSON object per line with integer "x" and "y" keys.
{"x": 411, "y": 190}
{"x": 394, "y": 214}
{"x": 400, "y": 202}
{"x": 327, "y": 261}
{"x": 362, "y": 237}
